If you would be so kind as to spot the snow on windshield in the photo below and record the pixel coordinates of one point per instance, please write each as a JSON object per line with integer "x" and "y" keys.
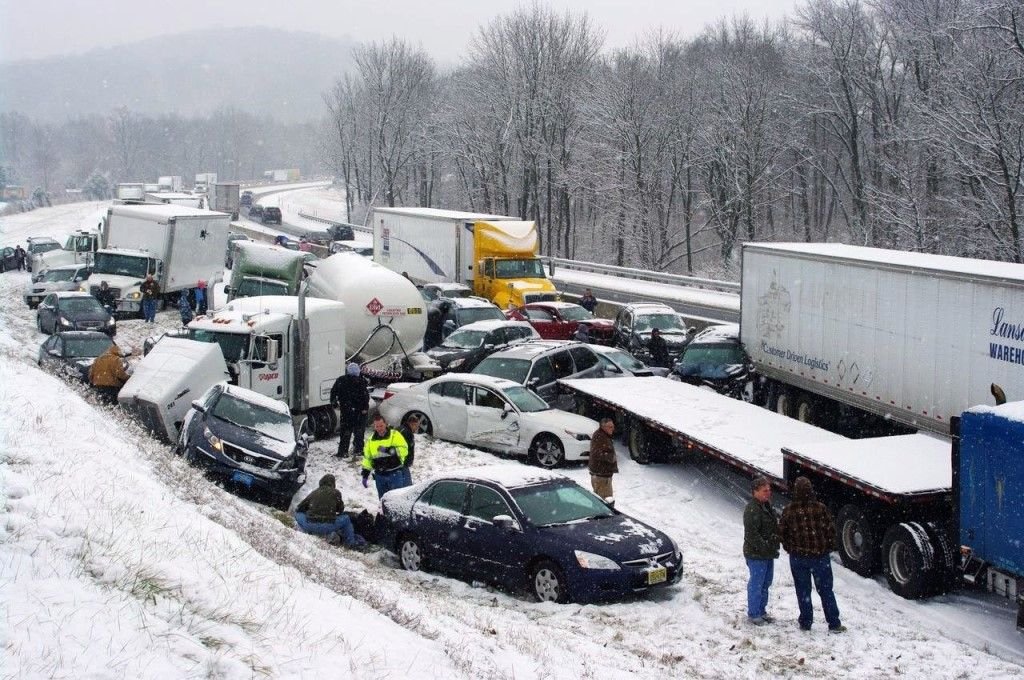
{"x": 55, "y": 275}
{"x": 465, "y": 339}
{"x": 254, "y": 417}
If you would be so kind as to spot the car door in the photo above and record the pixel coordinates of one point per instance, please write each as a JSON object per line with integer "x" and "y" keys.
{"x": 563, "y": 367}
{"x": 492, "y": 552}
{"x": 586, "y": 361}
{"x": 561, "y": 329}
{"x": 47, "y": 314}
{"x": 448, "y": 413}
{"x": 492, "y": 422}
{"x": 438, "y": 520}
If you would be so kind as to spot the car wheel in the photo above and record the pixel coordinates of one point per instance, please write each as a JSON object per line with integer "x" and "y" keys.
{"x": 546, "y": 451}
{"x": 410, "y": 553}
{"x": 548, "y": 583}
{"x": 426, "y": 427}
{"x": 858, "y": 540}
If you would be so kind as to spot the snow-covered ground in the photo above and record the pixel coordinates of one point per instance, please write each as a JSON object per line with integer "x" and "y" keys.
{"x": 118, "y": 560}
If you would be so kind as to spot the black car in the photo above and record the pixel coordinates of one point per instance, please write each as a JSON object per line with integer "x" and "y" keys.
{"x": 246, "y": 438}
{"x": 73, "y": 311}
{"x": 71, "y": 353}
{"x": 8, "y": 260}
{"x": 517, "y": 527}
{"x": 341, "y": 232}
{"x": 256, "y": 212}
{"x": 634, "y": 323}
{"x": 715, "y": 358}
{"x": 466, "y": 347}
{"x": 271, "y": 215}
{"x": 245, "y": 199}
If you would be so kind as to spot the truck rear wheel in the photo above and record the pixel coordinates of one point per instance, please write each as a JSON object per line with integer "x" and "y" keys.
{"x": 908, "y": 560}
{"x": 857, "y": 539}
{"x": 805, "y": 409}
{"x": 780, "y": 401}
{"x": 639, "y": 439}
{"x": 944, "y": 573}
{"x": 322, "y": 422}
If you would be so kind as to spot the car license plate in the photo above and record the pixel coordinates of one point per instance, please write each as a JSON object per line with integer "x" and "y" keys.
{"x": 247, "y": 479}
{"x": 657, "y": 575}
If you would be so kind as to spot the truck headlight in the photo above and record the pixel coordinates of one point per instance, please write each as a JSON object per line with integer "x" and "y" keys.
{"x": 591, "y": 561}
{"x": 134, "y": 295}
{"x": 213, "y": 439}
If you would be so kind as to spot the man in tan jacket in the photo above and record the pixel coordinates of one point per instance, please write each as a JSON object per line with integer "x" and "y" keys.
{"x": 602, "y": 461}
{"x": 107, "y": 374}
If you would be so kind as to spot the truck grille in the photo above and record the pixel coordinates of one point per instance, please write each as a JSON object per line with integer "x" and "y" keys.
{"x": 95, "y": 289}
{"x": 240, "y": 455}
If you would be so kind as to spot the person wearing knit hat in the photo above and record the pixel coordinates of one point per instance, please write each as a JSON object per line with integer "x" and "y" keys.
{"x": 351, "y": 395}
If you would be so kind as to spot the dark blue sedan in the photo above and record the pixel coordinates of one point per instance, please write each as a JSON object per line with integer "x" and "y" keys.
{"x": 515, "y": 526}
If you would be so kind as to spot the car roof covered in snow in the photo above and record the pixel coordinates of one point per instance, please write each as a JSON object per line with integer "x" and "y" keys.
{"x": 491, "y": 324}
{"x": 507, "y": 476}
{"x": 475, "y": 379}
{"x": 65, "y": 294}
{"x": 532, "y": 348}
{"x": 470, "y": 303}
{"x": 728, "y": 332}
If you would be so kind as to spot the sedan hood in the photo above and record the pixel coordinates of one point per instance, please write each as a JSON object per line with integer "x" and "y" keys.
{"x": 443, "y": 355}
{"x": 249, "y": 439}
{"x": 618, "y": 537}
{"x": 44, "y": 287}
{"x": 559, "y": 421}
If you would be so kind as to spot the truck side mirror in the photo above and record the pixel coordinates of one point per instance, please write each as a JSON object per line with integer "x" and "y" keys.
{"x": 273, "y": 351}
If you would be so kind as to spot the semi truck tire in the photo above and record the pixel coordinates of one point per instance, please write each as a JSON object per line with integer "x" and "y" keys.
{"x": 780, "y": 400}
{"x": 944, "y": 572}
{"x": 857, "y": 538}
{"x": 806, "y": 409}
{"x": 908, "y": 560}
{"x": 639, "y": 440}
{"x": 321, "y": 422}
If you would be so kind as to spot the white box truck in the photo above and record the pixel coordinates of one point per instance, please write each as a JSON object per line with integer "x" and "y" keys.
{"x": 178, "y": 245}
{"x": 907, "y": 337}
{"x": 164, "y": 383}
{"x": 176, "y": 198}
{"x": 171, "y": 183}
{"x": 204, "y": 180}
{"x": 130, "y": 191}
{"x": 288, "y": 348}
{"x": 225, "y": 198}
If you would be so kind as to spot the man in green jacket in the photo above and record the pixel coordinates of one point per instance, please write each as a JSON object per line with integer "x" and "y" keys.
{"x": 386, "y": 455}
{"x": 760, "y": 548}
{"x": 323, "y": 513}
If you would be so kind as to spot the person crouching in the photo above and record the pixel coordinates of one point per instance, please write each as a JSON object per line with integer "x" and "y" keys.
{"x": 322, "y": 513}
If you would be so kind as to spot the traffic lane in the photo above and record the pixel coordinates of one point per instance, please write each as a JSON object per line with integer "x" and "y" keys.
{"x": 698, "y": 313}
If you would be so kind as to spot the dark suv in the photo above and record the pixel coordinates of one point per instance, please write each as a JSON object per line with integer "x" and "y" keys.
{"x": 715, "y": 358}
{"x": 341, "y": 232}
{"x": 634, "y": 323}
{"x": 271, "y": 215}
{"x": 469, "y": 345}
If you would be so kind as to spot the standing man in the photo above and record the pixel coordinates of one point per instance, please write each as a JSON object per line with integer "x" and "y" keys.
{"x": 408, "y": 431}
{"x": 588, "y": 301}
{"x": 760, "y": 549}
{"x": 20, "y": 256}
{"x": 384, "y": 455}
{"x": 808, "y": 535}
{"x": 351, "y": 395}
{"x": 602, "y": 462}
{"x": 658, "y": 349}
{"x": 201, "y": 297}
{"x": 105, "y": 297}
{"x": 150, "y": 290}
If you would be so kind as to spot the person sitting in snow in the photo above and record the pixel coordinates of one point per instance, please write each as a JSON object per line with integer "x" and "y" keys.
{"x": 322, "y": 513}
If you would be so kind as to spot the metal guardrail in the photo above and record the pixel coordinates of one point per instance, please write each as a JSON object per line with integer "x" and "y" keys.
{"x": 324, "y": 220}
{"x": 642, "y": 275}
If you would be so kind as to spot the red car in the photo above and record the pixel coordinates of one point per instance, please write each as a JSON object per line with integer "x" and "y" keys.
{"x": 559, "y": 321}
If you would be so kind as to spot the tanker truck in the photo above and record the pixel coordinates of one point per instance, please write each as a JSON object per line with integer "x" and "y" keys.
{"x": 385, "y": 314}
{"x": 495, "y": 255}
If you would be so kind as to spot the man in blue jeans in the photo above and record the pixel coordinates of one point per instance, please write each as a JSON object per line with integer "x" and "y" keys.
{"x": 760, "y": 549}
{"x": 384, "y": 455}
{"x": 322, "y": 513}
{"x": 808, "y": 535}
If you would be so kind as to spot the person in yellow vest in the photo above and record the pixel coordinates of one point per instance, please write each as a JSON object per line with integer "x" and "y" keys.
{"x": 385, "y": 455}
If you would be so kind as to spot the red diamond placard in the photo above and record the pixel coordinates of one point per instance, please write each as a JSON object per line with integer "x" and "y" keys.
{"x": 374, "y": 306}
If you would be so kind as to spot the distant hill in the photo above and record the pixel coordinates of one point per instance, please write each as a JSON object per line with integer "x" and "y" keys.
{"x": 260, "y": 70}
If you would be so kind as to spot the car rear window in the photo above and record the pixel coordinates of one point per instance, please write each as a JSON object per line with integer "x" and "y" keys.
{"x": 447, "y": 496}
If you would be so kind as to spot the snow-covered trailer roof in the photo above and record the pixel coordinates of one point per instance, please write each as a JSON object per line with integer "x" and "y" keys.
{"x": 743, "y": 435}
{"x": 902, "y": 467}
{"x": 437, "y": 213}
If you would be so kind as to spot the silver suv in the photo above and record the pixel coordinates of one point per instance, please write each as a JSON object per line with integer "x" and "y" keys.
{"x": 540, "y": 364}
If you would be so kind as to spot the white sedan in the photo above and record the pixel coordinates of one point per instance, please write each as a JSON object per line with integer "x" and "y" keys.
{"x": 491, "y": 413}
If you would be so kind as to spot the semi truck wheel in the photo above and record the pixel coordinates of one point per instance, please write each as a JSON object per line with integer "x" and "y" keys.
{"x": 639, "y": 439}
{"x": 781, "y": 401}
{"x": 857, "y": 539}
{"x": 321, "y": 423}
{"x": 944, "y": 573}
{"x": 806, "y": 409}
{"x": 908, "y": 560}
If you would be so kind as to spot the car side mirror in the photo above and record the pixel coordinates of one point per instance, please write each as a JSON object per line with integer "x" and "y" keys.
{"x": 505, "y": 410}
{"x": 198, "y": 405}
{"x": 506, "y": 523}
{"x": 532, "y": 383}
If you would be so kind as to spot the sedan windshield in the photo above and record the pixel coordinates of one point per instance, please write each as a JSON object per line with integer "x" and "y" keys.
{"x": 82, "y": 305}
{"x": 510, "y": 369}
{"x": 55, "y": 275}
{"x": 464, "y": 340}
{"x": 700, "y": 359}
{"x": 468, "y": 316}
{"x": 663, "y": 322}
{"x": 525, "y": 400}
{"x": 624, "y": 360}
{"x": 575, "y": 313}
{"x": 121, "y": 265}
{"x": 274, "y": 424}
{"x": 560, "y": 503}
{"x": 76, "y": 348}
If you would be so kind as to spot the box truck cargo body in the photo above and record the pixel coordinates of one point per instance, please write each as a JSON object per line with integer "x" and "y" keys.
{"x": 905, "y": 336}
{"x": 225, "y": 198}
{"x": 171, "y": 183}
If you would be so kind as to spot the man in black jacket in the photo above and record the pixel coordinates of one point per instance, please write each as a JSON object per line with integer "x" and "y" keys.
{"x": 408, "y": 430}
{"x": 351, "y": 395}
{"x": 760, "y": 549}
{"x": 659, "y": 350}
{"x": 322, "y": 513}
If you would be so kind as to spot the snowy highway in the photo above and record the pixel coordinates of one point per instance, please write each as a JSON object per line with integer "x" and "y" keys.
{"x": 119, "y": 560}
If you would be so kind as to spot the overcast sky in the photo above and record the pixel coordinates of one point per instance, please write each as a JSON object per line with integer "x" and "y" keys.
{"x": 38, "y": 28}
